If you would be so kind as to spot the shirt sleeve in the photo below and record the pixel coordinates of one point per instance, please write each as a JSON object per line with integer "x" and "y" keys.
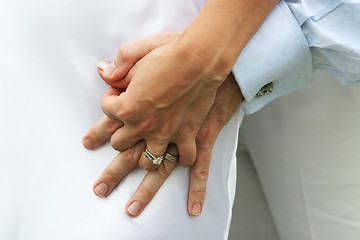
{"x": 298, "y": 37}
{"x": 278, "y": 55}
{"x": 334, "y": 39}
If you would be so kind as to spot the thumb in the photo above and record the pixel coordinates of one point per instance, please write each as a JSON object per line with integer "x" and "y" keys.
{"x": 128, "y": 54}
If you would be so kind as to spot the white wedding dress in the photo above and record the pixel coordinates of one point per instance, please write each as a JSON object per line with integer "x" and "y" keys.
{"x": 50, "y": 95}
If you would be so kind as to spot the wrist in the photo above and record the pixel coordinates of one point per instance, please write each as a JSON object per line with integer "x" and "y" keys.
{"x": 189, "y": 56}
{"x": 222, "y": 30}
{"x": 215, "y": 52}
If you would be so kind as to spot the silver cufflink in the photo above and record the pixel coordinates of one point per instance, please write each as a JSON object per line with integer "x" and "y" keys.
{"x": 268, "y": 88}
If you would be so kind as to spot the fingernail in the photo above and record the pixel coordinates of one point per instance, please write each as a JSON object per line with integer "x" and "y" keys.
{"x": 196, "y": 210}
{"x": 134, "y": 208}
{"x": 101, "y": 189}
{"x": 88, "y": 144}
{"x": 107, "y": 68}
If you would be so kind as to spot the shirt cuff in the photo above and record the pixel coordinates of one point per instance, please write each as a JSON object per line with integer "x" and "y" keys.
{"x": 277, "y": 55}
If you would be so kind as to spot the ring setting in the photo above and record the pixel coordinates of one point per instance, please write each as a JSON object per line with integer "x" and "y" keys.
{"x": 155, "y": 160}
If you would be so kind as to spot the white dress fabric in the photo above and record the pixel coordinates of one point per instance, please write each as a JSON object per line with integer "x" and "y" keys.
{"x": 50, "y": 95}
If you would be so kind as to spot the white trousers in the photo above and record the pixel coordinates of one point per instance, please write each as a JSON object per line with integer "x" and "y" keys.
{"x": 305, "y": 149}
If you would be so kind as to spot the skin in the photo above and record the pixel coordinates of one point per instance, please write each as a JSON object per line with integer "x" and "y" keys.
{"x": 171, "y": 89}
{"x": 170, "y": 96}
{"x": 226, "y": 103}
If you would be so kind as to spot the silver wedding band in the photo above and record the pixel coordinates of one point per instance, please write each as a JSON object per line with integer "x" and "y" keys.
{"x": 171, "y": 158}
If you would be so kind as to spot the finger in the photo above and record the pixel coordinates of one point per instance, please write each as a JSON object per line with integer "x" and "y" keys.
{"x": 101, "y": 132}
{"x": 187, "y": 152}
{"x": 156, "y": 150}
{"x": 198, "y": 178}
{"x": 124, "y": 138}
{"x": 112, "y": 104}
{"x": 123, "y": 82}
{"x": 129, "y": 53}
{"x": 123, "y": 163}
{"x": 148, "y": 188}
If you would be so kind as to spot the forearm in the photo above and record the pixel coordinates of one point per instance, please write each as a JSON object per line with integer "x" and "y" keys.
{"x": 221, "y": 31}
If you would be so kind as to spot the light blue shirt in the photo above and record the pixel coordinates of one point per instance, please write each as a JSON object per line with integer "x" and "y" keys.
{"x": 299, "y": 37}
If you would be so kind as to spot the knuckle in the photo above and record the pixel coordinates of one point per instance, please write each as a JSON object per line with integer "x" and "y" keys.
{"x": 198, "y": 193}
{"x": 206, "y": 136}
{"x": 146, "y": 194}
{"x": 125, "y": 113}
{"x": 130, "y": 156}
{"x": 104, "y": 106}
{"x": 164, "y": 134}
{"x": 168, "y": 36}
{"x": 115, "y": 144}
{"x": 110, "y": 125}
{"x": 124, "y": 52}
{"x": 108, "y": 110}
{"x": 110, "y": 174}
{"x": 164, "y": 171}
{"x": 187, "y": 162}
{"x": 202, "y": 174}
{"x": 147, "y": 167}
{"x": 160, "y": 140}
{"x": 189, "y": 132}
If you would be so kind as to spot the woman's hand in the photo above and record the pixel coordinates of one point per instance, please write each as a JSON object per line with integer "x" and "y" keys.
{"x": 227, "y": 101}
{"x": 170, "y": 91}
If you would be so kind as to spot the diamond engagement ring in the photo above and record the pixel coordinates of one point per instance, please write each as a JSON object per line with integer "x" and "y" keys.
{"x": 170, "y": 157}
{"x": 155, "y": 160}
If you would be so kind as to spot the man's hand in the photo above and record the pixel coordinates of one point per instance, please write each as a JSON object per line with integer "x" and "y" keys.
{"x": 227, "y": 101}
